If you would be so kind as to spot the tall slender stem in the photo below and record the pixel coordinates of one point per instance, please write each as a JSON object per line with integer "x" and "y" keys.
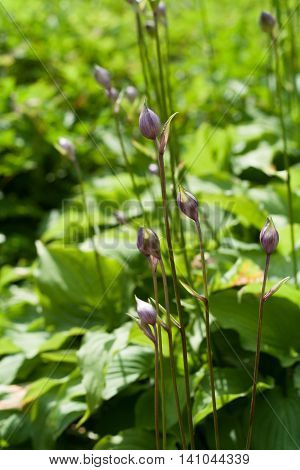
{"x": 160, "y": 68}
{"x": 177, "y": 295}
{"x": 141, "y": 51}
{"x": 156, "y": 390}
{"x": 146, "y": 63}
{"x": 128, "y": 165}
{"x": 208, "y": 337}
{"x": 91, "y": 227}
{"x": 286, "y": 160}
{"x": 257, "y": 355}
{"x": 171, "y": 352}
{"x": 161, "y": 362}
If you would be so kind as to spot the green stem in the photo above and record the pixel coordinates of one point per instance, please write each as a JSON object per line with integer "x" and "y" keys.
{"x": 286, "y": 160}
{"x": 208, "y": 336}
{"x": 161, "y": 360}
{"x": 147, "y": 63}
{"x": 160, "y": 68}
{"x": 257, "y": 355}
{"x": 156, "y": 390}
{"x": 91, "y": 228}
{"x": 171, "y": 352}
{"x": 128, "y": 165}
{"x": 141, "y": 51}
{"x": 177, "y": 295}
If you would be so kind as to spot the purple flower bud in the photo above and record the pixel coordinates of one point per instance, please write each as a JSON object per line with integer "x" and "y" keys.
{"x": 153, "y": 169}
{"x": 148, "y": 243}
{"x": 269, "y": 237}
{"x": 131, "y": 93}
{"x": 67, "y": 147}
{"x": 267, "y": 22}
{"x": 161, "y": 10}
{"x": 102, "y": 76}
{"x": 147, "y": 330}
{"x": 145, "y": 311}
{"x": 188, "y": 204}
{"x": 112, "y": 93}
{"x": 149, "y": 123}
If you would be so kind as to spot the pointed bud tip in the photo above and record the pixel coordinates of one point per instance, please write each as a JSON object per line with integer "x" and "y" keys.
{"x": 67, "y": 147}
{"x": 269, "y": 237}
{"x": 149, "y": 123}
{"x": 102, "y": 76}
{"x": 148, "y": 243}
{"x": 145, "y": 311}
{"x": 187, "y": 203}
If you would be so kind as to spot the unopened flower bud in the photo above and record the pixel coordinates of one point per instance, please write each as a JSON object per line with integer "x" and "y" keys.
{"x": 148, "y": 243}
{"x": 150, "y": 27}
{"x": 161, "y": 10}
{"x": 149, "y": 123}
{"x": 120, "y": 217}
{"x": 112, "y": 93}
{"x": 147, "y": 330}
{"x": 267, "y": 22}
{"x": 188, "y": 204}
{"x": 102, "y": 76}
{"x": 269, "y": 237}
{"x": 131, "y": 93}
{"x": 146, "y": 312}
{"x": 67, "y": 147}
{"x": 153, "y": 169}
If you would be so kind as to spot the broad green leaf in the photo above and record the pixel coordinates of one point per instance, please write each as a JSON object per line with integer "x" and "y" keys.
{"x": 129, "y": 439}
{"x": 277, "y": 421}
{"x": 209, "y": 145}
{"x": 54, "y": 411}
{"x": 39, "y": 387}
{"x": 9, "y": 367}
{"x": 57, "y": 340}
{"x": 281, "y": 323}
{"x": 14, "y": 427}
{"x": 72, "y": 292}
{"x": 144, "y": 410}
{"x": 126, "y": 367}
{"x": 93, "y": 356}
{"x": 230, "y": 384}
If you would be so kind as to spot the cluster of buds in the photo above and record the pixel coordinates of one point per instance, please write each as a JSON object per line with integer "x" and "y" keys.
{"x": 148, "y": 244}
{"x": 267, "y": 23}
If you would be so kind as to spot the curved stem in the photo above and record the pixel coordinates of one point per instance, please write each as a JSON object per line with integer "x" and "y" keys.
{"x": 171, "y": 351}
{"x": 161, "y": 361}
{"x": 257, "y": 355}
{"x": 208, "y": 337}
{"x": 156, "y": 390}
{"x": 177, "y": 295}
{"x": 286, "y": 159}
{"x": 91, "y": 227}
